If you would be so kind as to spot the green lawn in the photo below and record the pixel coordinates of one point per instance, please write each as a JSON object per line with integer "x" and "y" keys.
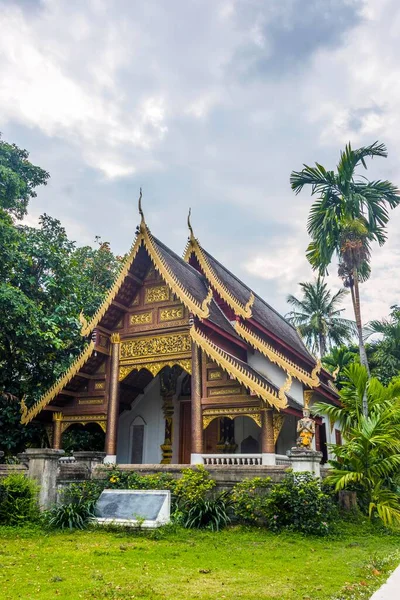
{"x": 182, "y": 564}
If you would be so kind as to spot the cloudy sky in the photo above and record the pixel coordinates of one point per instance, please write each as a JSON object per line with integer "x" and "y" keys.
{"x": 208, "y": 104}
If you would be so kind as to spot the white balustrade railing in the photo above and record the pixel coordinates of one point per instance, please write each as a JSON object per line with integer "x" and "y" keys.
{"x": 232, "y": 459}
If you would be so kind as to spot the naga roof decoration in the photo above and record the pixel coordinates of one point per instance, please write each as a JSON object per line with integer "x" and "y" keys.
{"x": 57, "y": 387}
{"x": 166, "y": 263}
{"x": 242, "y": 309}
{"x": 312, "y": 380}
{"x": 241, "y": 299}
{"x": 246, "y": 375}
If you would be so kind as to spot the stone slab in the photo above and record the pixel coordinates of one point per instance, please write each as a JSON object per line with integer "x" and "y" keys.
{"x": 147, "y": 508}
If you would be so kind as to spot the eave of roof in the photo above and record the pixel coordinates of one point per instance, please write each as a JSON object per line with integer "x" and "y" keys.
{"x": 28, "y": 414}
{"x": 242, "y": 372}
{"x": 260, "y": 344}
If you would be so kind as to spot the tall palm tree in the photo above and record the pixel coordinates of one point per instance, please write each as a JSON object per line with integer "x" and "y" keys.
{"x": 317, "y": 316}
{"x": 338, "y": 359}
{"x": 386, "y": 351}
{"x": 350, "y": 213}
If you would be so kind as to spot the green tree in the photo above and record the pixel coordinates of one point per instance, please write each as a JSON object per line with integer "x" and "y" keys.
{"x": 18, "y": 179}
{"x": 318, "y": 317}
{"x": 386, "y": 350}
{"x": 349, "y": 214}
{"x": 369, "y": 461}
{"x": 45, "y": 282}
{"x": 337, "y": 360}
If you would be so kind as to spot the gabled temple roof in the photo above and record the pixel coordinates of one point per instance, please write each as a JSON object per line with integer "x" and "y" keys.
{"x": 184, "y": 281}
{"x": 244, "y": 302}
{"x": 194, "y": 289}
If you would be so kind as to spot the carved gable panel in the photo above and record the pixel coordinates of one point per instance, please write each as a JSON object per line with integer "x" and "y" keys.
{"x": 219, "y": 388}
{"x": 155, "y": 307}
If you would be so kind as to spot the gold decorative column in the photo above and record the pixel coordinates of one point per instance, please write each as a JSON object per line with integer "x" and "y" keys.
{"x": 267, "y": 436}
{"x": 57, "y": 419}
{"x": 197, "y": 424}
{"x": 168, "y": 381}
{"x": 166, "y": 447}
{"x": 113, "y": 402}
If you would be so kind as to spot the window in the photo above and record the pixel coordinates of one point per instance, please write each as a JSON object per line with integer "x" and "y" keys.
{"x": 338, "y": 437}
{"x": 137, "y": 441}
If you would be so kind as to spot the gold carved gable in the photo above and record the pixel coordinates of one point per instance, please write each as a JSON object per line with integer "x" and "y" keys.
{"x": 156, "y": 307}
{"x": 155, "y": 352}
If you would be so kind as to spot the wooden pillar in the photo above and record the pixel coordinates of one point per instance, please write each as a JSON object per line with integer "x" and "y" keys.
{"x": 267, "y": 437}
{"x": 57, "y": 420}
{"x": 197, "y": 417}
{"x": 113, "y": 403}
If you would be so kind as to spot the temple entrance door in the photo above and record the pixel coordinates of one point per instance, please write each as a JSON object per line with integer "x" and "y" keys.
{"x": 185, "y": 433}
{"x": 322, "y": 442}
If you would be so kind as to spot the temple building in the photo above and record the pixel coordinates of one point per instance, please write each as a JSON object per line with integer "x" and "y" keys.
{"x": 184, "y": 364}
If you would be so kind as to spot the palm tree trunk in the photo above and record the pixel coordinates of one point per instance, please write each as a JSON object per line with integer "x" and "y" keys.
{"x": 322, "y": 344}
{"x": 355, "y": 295}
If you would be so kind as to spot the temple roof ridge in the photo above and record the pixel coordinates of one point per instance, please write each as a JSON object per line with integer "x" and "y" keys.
{"x": 243, "y": 300}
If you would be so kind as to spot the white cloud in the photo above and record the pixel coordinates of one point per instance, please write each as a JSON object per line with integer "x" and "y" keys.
{"x": 208, "y": 104}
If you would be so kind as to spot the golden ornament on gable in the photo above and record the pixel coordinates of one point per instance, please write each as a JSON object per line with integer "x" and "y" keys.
{"x": 171, "y": 314}
{"x": 178, "y": 343}
{"x": 159, "y": 293}
{"x": 141, "y": 318}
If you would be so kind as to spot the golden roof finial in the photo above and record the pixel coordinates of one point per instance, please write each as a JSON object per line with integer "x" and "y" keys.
{"x": 142, "y": 222}
{"x": 192, "y": 238}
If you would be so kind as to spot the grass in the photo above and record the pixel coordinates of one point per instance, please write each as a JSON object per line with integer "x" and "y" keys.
{"x": 178, "y": 564}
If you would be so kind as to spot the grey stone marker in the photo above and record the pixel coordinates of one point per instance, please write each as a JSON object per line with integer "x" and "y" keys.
{"x": 144, "y": 508}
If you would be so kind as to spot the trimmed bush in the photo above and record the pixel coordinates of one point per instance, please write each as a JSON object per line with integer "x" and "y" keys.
{"x": 18, "y": 500}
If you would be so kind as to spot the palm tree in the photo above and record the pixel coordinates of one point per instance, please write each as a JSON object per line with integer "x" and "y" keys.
{"x": 370, "y": 457}
{"x": 338, "y": 359}
{"x": 386, "y": 351}
{"x": 317, "y": 316}
{"x": 350, "y": 213}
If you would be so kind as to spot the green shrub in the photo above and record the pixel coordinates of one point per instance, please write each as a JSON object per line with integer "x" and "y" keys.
{"x": 18, "y": 500}
{"x": 193, "y": 485}
{"x": 72, "y": 515}
{"x": 249, "y": 499}
{"x": 206, "y": 513}
{"x": 87, "y": 491}
{"x": 299, "y": 503}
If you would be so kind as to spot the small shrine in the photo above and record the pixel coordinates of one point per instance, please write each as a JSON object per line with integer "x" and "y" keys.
{"x": 184, "y": 363}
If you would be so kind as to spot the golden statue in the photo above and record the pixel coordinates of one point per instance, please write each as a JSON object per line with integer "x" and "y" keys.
{"x": 305, "y": 430}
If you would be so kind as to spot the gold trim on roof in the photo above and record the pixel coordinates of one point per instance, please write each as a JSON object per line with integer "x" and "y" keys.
{"x": 239, "y": 309}
{"x": 278, "y": 358}
{"x": 200, "y": 309}
{"x": 58, "y": 386}
{"x": 113, "y": 291}
{"x": 234, "y": 368}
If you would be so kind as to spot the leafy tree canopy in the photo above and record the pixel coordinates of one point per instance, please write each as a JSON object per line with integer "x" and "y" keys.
{"x": 318, "y": 316}
{"x": 45, "y": 282}
{"x": 18, "y": 179}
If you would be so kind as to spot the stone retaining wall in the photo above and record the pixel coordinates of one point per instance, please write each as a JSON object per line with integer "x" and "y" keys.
{"x": 54, "y": 472}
